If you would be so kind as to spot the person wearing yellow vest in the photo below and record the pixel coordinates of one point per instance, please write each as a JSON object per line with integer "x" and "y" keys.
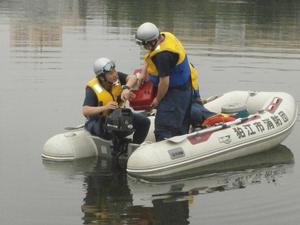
{"x": 168, "y": 67}
{"x": 106, "y": 92}
{"x": 198, "y": 111}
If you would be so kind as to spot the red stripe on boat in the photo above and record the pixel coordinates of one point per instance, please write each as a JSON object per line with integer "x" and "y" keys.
{"x": 272, "y": 107}
{"x": 198, "y": 138}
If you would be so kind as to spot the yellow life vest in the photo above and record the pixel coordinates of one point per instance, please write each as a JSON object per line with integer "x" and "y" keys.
{"x": 195, "y": 81}
{"x": 103, "y": 95}
{"x": 171, "y": 44}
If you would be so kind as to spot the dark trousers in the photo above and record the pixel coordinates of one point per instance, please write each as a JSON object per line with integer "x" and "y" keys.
{"x": 199, "y": 113}
{"x": 141, "y": 126}
{"x": 173, "y": 114}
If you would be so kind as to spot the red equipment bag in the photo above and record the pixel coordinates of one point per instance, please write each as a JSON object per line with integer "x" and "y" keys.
{"x": 143, "y": 97}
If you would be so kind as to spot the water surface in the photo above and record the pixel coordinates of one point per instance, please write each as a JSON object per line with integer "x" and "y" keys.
{"x": 47, "y": 52}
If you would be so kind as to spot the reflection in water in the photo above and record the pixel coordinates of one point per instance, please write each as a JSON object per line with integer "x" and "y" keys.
{"x": 239, "y": 23}
{"x": 39, "y": 24}
{"x": 40, "y": 31}
{"x": 264, "y": 167}
{"x": 112, "y": 198}
{"x": 37, "y": 29}
{"x": 69, "y": 170}
{"x": 107, "y": 194}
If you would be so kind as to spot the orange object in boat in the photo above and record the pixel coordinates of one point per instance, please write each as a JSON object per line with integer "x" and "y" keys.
{"x": 218, "y": 118}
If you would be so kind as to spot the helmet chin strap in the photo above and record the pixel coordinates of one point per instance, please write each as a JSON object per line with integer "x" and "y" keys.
{"x": 103, "y": 79}
{"x": 153, "y": 44}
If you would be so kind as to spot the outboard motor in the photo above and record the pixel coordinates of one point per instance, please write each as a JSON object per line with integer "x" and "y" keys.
{"x": 119, "y": 124}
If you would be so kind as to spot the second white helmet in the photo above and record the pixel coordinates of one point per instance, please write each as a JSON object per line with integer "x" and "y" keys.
{"x": 146, "y": 32}
{"x": 103, "y": 65}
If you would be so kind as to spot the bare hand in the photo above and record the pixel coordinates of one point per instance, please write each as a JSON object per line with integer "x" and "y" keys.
{"x": 154, "y": 103}
{"x": 141, "y": 79}
{"x": 127, "y": 94}
{"x": 200, "y": 101}
{"x": 111, "y": 105}
{"x": 142, "y": 75}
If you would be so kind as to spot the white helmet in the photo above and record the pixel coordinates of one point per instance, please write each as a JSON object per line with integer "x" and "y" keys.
{"x": 146, "y": 32}
{"x": 103, "y": 65}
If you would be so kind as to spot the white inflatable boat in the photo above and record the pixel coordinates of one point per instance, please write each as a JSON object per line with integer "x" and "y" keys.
{"x": 271, "y": 117}
{"x": 78, "y": 143}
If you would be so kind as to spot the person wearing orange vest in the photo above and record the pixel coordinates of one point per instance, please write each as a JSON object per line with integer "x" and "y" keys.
{"x": 106, "y": 92}
{"x": 168, "y": 67}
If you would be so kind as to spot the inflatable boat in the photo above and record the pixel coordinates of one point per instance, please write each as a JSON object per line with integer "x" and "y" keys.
{"x": 78, "y": 143}
{"x": 268, "y": 120}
